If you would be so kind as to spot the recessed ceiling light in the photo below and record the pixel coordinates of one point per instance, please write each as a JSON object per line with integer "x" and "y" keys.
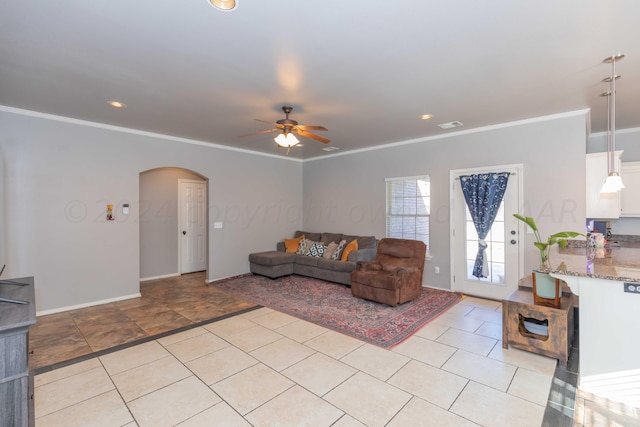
{"x": 224, "y": 5}
{"x": 330, "y": 148}
{"x": 426, "y": 117}
{"x": 117, "y": 104}
{"x": 450, "y": 125}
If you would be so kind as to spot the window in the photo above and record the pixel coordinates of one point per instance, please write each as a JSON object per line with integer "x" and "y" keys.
{"x": 408, "y": 208}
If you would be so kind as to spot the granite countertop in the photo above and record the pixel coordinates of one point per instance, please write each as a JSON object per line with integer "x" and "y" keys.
{"x": 618, "y": 261}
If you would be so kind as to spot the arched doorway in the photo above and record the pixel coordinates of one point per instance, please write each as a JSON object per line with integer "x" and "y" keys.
{"x": 161, "y": 237}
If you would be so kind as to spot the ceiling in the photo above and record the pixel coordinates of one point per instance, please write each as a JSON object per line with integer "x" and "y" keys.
{"x": 364, "y": 69}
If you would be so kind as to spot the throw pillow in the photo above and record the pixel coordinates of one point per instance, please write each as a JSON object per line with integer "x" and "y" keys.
{"x": 353, "y": 246}
{"x": 336, "y": 254}
{"x": 316, "y": 250}
{"x": 304, "y": 246}
{"x": 291, "y": 245}
{"x": 329, "y": 250}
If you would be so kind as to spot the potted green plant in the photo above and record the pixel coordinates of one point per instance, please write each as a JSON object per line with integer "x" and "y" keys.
{"x": 547, "y": 290}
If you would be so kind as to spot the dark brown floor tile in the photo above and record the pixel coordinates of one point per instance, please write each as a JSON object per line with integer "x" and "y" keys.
{"x": 122, "y": 333}
{"x": 57, "y": 348}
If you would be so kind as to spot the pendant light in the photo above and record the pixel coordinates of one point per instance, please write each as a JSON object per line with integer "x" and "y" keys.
{"x": 286, "y": 140}
{"x": 613, "y": 183}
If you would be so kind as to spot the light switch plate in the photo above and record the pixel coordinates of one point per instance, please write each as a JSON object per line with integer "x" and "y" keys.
{"x": 217, "y": 225}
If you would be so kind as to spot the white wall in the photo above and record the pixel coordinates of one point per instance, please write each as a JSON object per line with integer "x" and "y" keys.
{"x": 59, "y": 176}
{"x": 346, "y": 193}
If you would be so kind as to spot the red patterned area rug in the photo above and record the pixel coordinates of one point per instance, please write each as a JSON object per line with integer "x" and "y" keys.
{"x": 331, "y": 305}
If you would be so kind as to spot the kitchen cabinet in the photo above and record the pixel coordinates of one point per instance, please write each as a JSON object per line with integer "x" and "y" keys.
{"x": 601, "y": 206}
{"x": 630, "y": 194}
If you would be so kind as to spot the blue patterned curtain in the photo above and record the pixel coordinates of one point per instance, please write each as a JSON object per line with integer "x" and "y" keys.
{"x": 483, "y": 193}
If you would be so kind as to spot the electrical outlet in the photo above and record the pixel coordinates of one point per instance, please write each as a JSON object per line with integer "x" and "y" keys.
{"x": 436, "y": 270}
{"x": 632, "y": 288}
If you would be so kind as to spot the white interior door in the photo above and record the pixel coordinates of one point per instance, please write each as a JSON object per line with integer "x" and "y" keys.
{"x": 193, "y": 225}
{"x": 503, "y": 252}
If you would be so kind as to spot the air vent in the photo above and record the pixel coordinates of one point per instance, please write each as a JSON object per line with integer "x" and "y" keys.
{"x": 330, "y": 148}
{"x": 450, "y": 125}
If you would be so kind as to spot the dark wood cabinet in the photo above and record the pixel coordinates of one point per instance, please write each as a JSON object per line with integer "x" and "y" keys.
{"x": 16, "y": 384}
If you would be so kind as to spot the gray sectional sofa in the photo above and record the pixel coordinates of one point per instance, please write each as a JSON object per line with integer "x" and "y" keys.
{"x": 279, "y": 263}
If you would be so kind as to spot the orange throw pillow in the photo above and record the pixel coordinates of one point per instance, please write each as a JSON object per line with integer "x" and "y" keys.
{"x": 291, "y": 245}
{"x": 352, "y": 246}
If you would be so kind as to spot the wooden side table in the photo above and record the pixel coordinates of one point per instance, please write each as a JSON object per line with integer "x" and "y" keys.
{"x": 519, "y": 308}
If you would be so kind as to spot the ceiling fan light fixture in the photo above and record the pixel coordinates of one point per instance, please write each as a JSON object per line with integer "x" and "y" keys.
{"x": 224, "y": 5}
{"x": 288, "y": 140}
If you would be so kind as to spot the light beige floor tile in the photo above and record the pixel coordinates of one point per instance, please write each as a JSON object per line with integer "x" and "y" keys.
{"x": 131, "y": 424}
{"x": 532, "y": 386}
{"x": 431, "y": 331}
{"x": 295, "y": 407}
{"x": 492, "y": 316}
{"x": 217, "y": 366}
{"x": 490, "y": 330}
{"x": 489, "y": 407}
{"x": 467, "y": 341}
{"x": 181, "y": 336}
{"x": 132, "y": 357}
{"x": 253, "y": 338}
{"x": 281, "y": 354}
{"x": 524, "y": 359}
{"x": 431, "y": 384}
{"x": 104, "y": 410}
{"x": 301, "y": 330}
{"x": 348, "y": 421}
{"x": 150, "y": 377}
{"x": 67, "y": 371}
{"x": 460, "y": 309}
{"x": 481, "y": 302}
{"x": 68, "y": 391}
{"x": 426, "y": 351}
{"x": 418, "y": 413}
{"x": 319, "y": 373}
{"x": 251, "y": 388}
{"x": 219, "y": 415}
{"x": 229, "y": 326}
{"x": 334, "y": 344}
{"x": 481, "y": 369}
{"x": 173, "y": 404}
{"x": 376, "y": 403}
{"x": 197, "y": 346}
{"x": 458, "y": 322}
{"x": 375, "y": 361}
{"x": 274, "y": 320}
{"x": 255, "y": 313}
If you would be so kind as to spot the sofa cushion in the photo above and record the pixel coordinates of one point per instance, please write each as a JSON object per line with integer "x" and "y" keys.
{"x": 316, "y": 250}
{"x": 352, "y": 246}
{"x": 291, "y": 245}
{"x": 307, "y": 260}
{"x": 330, "y": 237}
{"x": 329, "y": 250}
{"x": 272, "y": 258}
{"x": 311, "y": 236}
{"x": 327, "y": 264}
{"x": 338, "y": 252}
{"x": 367, "y": 242}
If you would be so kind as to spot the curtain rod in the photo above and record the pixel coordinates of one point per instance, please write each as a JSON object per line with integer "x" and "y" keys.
{"x": 510, "y": 173}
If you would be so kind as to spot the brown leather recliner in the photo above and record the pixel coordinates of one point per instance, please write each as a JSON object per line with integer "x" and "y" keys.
{"x": 395, "y": 276}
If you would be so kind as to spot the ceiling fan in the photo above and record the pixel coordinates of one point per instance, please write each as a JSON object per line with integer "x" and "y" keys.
{"x": 288, "y": 127}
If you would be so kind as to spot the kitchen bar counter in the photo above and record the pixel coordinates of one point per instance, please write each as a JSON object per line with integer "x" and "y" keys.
{"x": 609, "y": 347}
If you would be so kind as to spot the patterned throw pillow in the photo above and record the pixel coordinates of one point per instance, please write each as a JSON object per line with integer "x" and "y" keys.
{"x": 338, "y": 252}
{"x": 304, "y": 246}
{"x": 329, "y": 250}
{"x": 316, "y": 250}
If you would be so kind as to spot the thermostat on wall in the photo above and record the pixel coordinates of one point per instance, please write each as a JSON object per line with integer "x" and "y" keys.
{"x": 125, "y": 209}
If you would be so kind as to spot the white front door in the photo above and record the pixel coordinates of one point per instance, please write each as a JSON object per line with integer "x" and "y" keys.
{"x": 503, "y": 251}
{"x": 193, "y": 225}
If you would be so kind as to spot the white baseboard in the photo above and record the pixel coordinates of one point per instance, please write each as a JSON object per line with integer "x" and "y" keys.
{"x": 89, "y": 304}
{"x": 164, "y": 276}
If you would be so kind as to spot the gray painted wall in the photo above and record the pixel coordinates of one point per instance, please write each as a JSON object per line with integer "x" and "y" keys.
{"x": 59, "y": 176}
{"x": 347, "y": 193}
{"x": 159, "y": 237}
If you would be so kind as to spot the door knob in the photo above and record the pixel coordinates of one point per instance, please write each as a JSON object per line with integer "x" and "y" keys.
{"x": 184, "y": 232}
{"x": 513, "y": 232}
{"x": 513, "y": 241}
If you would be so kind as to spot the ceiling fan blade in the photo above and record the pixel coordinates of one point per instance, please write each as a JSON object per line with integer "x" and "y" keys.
{"x": 259, "y": 132}
{"x": 314, "y": 136}
{"x": 304, "y": 127}
{"x": 278, "y": 125}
